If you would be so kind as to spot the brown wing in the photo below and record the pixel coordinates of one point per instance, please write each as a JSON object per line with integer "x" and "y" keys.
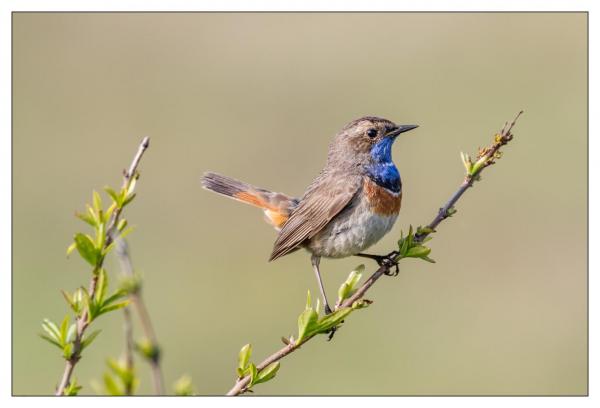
{"x": 324, "y": 199}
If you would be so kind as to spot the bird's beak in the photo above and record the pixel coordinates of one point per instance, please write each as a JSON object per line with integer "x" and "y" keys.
{"x": 401, "y": 129}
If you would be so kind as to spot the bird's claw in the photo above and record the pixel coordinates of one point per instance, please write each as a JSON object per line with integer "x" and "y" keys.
{"x": 331, "y": 332}
{"x": 389, "y": 262}
{"x": 395, "y": 272}
{"x": 386, "y": 261}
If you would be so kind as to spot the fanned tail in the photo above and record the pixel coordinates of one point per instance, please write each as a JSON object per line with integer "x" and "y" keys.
{"x": 276, "y": 206}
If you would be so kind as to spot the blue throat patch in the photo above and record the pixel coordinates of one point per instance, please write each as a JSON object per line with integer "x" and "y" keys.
{"x": 383, "y": 171}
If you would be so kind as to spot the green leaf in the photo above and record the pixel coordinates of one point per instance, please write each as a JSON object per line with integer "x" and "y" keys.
{"x": 108, "y": 248}
{"x": 361, "y": 304}
{"x": 112, "y": 388}
{"x": 113, "y": 194}
{"x": 109, "y": 212}
{"x": 332, "y": 320}
{"x": 74, "y": 301}
{"x": 97, "y": 201}
{"x": 101, "y": 286}
{"x": 122, "y": 371}
{"x": 244, "y": 356}
{"x": 52, "y": 329}
{"x": 119, "y": 294}
{"x": 130, "y": 284}
{"x": 50, "y": 340}
{"x": 147, "y": 349}
{"x": 307, "y": 321}
{"x": 86, "y": 248}
{"x": 87, "y": 218}
{"x": 71, "y": 248}
{"x": 347, "y": 288}
{"x": 92, "y": 214}
{"x": 71, "y": 333}
{"x": 267, "y": 373}
{"x": 424, "y": 230}
{"x": 72, "y": 389}
{"x": 87, "y": 340}
{"x": 132, "y": 183}
{"x": 117, "y": 367}
{"x": 479, "y": 164}
{"x": 466, "y": 160}
{"x": 183, "y": 386}
{"x": 67, "y": 350}
{"x": 64, "y": 327}
{"x": 100, "y": 235}
{"x": 69, "y": 299}
{"x": 403, "y": 248}
{"x": 90, "y": 304}
{"x": 129, "y": 199}
{"x": 114, "y": 306}
{"x": 418, "y": 251}
{"x": 426, "y": 258}
{"x": 122, "y": 224}
{"x": 253, "y": 373}
{"x": 125, "y": 232}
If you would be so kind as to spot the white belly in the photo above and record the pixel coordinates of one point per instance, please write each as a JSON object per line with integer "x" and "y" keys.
{"x": 350, "y": 232}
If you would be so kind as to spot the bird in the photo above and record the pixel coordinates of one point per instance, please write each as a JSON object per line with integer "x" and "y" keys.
{"x": 352, "y": 203}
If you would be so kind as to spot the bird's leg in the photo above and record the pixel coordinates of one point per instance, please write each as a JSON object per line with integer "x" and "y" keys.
{"x": 315, "y": 260}
{"x": 387, "y": 261}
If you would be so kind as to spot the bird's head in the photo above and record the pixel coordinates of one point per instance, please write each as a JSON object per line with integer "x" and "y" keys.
{"x": 366, "y": 140}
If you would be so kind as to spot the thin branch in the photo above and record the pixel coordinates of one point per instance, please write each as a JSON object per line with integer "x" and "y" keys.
{"x": 122, "y": 251}
{"x": 128, "y": 354}
{"x": 487, "y": 157}
{"x": 127, "y": 175}
{"x": 82, "y": 321}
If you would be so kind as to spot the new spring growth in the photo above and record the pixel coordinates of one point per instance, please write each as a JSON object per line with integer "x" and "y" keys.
{"x": 247, "y": 368}
{"x": 412, "y": 246}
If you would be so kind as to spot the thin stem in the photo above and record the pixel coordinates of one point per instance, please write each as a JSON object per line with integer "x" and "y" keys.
{"x": 127, "y": 175}
{"x": 83, "y": 321}
{"x": 122, "y": 251}
{"x": 128, "y": 329}
{"x": 501, "y": 139}
{"x": 488, "y": 154}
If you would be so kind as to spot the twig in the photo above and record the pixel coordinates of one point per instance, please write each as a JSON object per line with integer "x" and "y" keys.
{"x": 487, "y": 155}
{"x": 82, "y": 321}
{"x": 128, "y": 329}
{"x": 122, "y": 251}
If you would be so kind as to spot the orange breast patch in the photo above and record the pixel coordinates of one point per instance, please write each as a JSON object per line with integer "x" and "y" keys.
{"x": 381, "y": 201}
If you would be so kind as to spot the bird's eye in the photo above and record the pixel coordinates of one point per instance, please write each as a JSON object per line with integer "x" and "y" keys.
{"x": 372, "y": 132}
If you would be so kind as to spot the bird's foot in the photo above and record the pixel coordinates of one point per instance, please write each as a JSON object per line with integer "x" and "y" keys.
{"x": 388, "y": 261}
{"x": 331, "y": 331}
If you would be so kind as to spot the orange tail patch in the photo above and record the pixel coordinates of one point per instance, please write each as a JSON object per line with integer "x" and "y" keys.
{"x": 275, "y": 218}
{"x": 273, "y": 215}
{"x": 276, "y": 206}
{"x": 251, "y": 199}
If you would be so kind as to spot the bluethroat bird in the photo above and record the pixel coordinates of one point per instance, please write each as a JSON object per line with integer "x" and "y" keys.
{"x": 351, "y": 205}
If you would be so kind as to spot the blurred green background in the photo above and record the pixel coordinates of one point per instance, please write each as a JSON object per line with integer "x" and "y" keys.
{"x": 258, "y": 97}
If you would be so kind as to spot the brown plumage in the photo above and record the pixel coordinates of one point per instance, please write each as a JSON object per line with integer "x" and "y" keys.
{"x": 323, "y": 200}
